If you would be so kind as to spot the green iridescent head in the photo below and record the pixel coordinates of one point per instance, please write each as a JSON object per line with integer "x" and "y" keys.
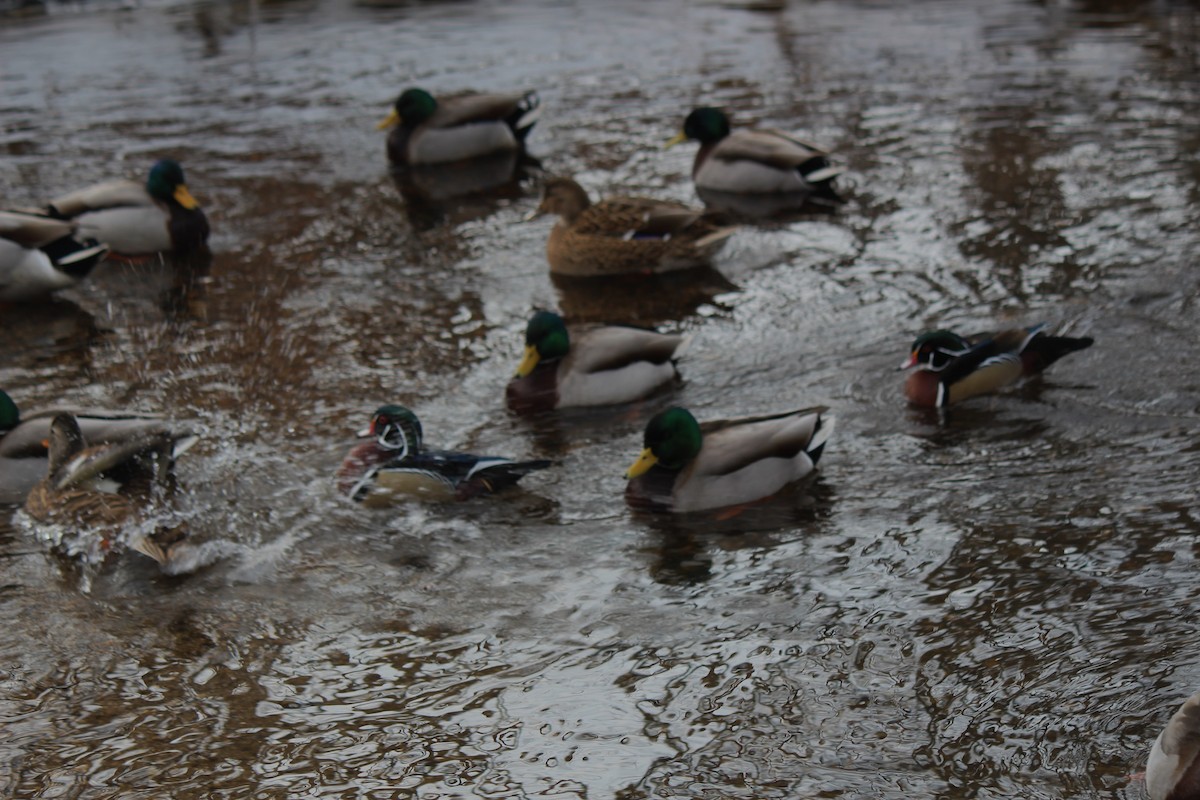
{"x": 414, "y": 106}
{"x": 672, "y": 439}
{"x": 546, "y": 339}
{"x": 706, "y": 124}
{"x": 395, "y": 427}
{"x": 166, "y": 183}
{"x": 10, "y": 417}
{"x": 935, "y": 349}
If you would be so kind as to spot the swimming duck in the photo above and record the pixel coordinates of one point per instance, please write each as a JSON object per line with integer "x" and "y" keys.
{"x": 134, "y": 219}
{"x": 595, "y": 366}
{"x": 23, "y": 451}
{"x": 753, "y": 161}
{"x": 99, "y": 489}
{"x": 686, "y": 466}
{"x": 39, "y": 255}
{"x": 1173, "y": 771}
{"x": 394, "y": 464}
{"x": 624, "y": 234}
{"x": 428, "y": 130}
{"x": 951, "y": 368}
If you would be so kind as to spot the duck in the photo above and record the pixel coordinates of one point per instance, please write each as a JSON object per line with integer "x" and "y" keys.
{"x": 688, "y": 466}
{"x": 622, "y": 235}
{"x": 593, "y": 366}
{"x": 753, "y": 161}
{"x": 429, "y": 130}
{"x": 394, "y": 465}
{"x": 159, "y": 216}
{"x": 40, "y": 255}
{"x": 950, "y": 368}
{"x": 1173, "y": 770}
{"x": 98, "y": 490}
{"x": 24, "y": 455}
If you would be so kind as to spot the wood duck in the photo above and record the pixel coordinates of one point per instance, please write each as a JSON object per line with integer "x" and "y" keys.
{"x": 593, "y": 366}
{"x": 621, "y": 235}
{"x": 425, "y": 130}
{"x": 688, "y": 466}
{"x": 951, "y": 368}
{"x": 394, "y": 465}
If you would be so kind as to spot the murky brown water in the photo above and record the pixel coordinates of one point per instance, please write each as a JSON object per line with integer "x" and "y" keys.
{"x": 998, "y": 604}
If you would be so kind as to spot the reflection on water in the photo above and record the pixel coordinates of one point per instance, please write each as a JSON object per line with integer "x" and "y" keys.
{"x": 988, "y": 602}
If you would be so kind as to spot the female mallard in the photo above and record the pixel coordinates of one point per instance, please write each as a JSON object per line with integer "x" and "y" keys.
{"x": 590, "y": 367}
{"x": 951, "y": 369}
{"x": 753, "y": 161}
{"x": 437, "y": 131}
{"x": 39, "y": 255}
{"x": 23, "y": 451}
{"x": 686, "y": 466}
{"x": 624, "y": 234}
{"x": 81, "y": 489}
{"x": 394, "y": 465}
{"x": 134, "y": 219}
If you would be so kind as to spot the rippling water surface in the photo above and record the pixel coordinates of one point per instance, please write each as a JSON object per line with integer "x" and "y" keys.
{"x": 996, "y": 603}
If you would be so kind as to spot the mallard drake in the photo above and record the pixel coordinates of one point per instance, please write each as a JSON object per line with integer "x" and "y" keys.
{"x": 951, "y": 368}
{"x": 23, "y": 451}
{"x": 1173, "y": 771}
{"x": 688, "y": 466}
{"x": 99, "y": 489}
{"x": 753, "y": 161}
{"x": 425, "y": 130}
{"x": 395, "y": 465}
{"x": 593, "y": 366}
{"x": 134, "y": 219}
{"x": 624, "y": 234}
{"x": 39, "y": 255}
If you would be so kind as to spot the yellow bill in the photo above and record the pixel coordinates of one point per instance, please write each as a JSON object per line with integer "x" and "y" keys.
{"x": 184, "y": 197}
{"x": 393, "y": 119}
{"x": 640, "y": 467}
{"x": 678, "y": 138}
{"x": 528, "y": 361}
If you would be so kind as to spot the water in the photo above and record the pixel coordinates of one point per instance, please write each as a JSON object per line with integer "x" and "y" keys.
{"x": 995, "y": 603}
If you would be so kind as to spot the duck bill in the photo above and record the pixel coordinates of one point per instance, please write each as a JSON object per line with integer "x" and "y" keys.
{"x": 366, "y": 432}
{"x": 184, "y": 197}
{"x": 910, "y": 363}
{"x": 640, "y": 467}
{"x": 529, "y": 361}
{"x": 392, "y": 120}
{"x": 535, "y": 214}
{"x": 678, "y": 138}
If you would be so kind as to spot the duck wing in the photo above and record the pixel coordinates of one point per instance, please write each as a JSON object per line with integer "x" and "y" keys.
{"x": 635, "y": 217}
{"x": 469, "y": 108}
{"x": 615, "y": 346}
{"x": 94, "y": 462}
{"x": 1173, "y": 771}
{"x": 32, "y": 230}
{"x": 770, "y": 147}
{"x": 112, "y": 194}
{"x": 730, "y": 445}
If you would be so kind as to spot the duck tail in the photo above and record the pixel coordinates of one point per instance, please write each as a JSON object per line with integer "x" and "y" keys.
{"x": 493, "y": 475}
{"x": 709, "y": 242}
{"x": 73, "y": 257}
{"x": 1043, "y": 350}
{"x": 526, "y": 115}
{"x": 816, "y": 445}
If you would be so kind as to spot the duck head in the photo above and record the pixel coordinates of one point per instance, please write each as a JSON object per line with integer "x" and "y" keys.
{"x": 563, "y": 197}
{"x": 166, "y": 183}
{"x": 672, "y": 439}
{"x": 10, "y": 416}
{"x": 546, "y": 339}
{"x": 396, "y": 428}
{"x": 935, "y": 350}
{"x": 705, "y": 125}
{"x": 411, "y": 108}
{"x": 65, "y": 441}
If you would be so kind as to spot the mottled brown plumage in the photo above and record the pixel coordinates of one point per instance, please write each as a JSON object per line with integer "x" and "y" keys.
{"x": 620, "y": 235}
{"x": 73, "y": 493}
